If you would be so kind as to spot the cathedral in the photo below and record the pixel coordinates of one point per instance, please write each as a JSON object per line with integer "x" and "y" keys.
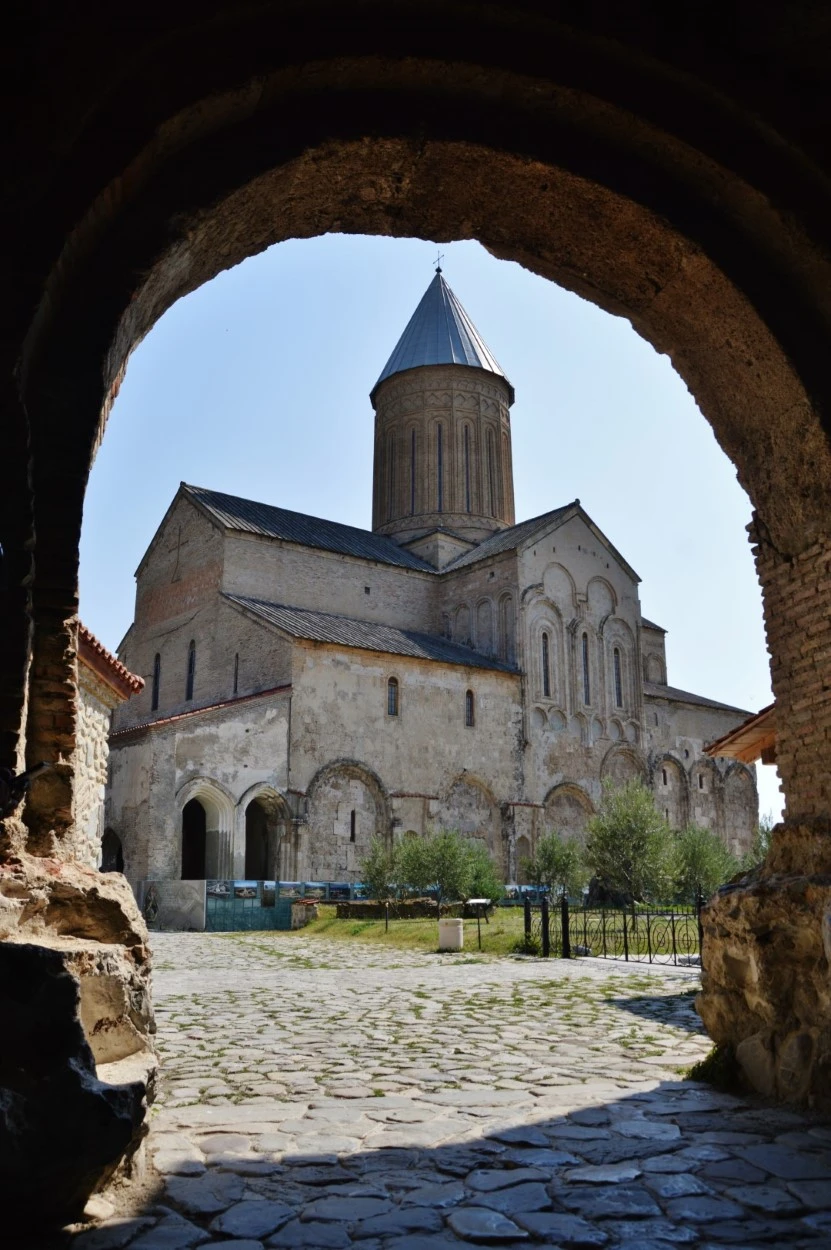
{"x": 310, "y": 686}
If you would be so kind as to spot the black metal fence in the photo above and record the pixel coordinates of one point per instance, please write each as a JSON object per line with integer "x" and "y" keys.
{"x": 555, "y": 927}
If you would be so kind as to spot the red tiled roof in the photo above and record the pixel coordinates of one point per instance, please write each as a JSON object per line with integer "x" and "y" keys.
{"x": 105, "y": 665}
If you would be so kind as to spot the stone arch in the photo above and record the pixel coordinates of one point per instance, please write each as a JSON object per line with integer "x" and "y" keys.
{"x": 622, "y": 764}
{"x": 112, "y": 852}
{"x": 218, "y": 806}
{"x": 560, "y": 589}
{"x": 654, "y": 670}
{"x": 617, "y": 636}
{"x": 706, "y": 795}
{"x": 545, "y": 619}
{"x": 468, "y": 805}
{"x": 670, "y": 785}
{"x": 740, "y": 806}
{"x": 484, "y": 627}
{"x": 461, "y": 625}
{"x": 267, "y": 833}
{"x": 348, "y": 806}
{"x": 567, "y": 810}
{"x": 507, "y": 629}
{"x": 601, "y": 599}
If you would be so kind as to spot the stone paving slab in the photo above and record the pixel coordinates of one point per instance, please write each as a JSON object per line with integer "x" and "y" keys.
{"x": 326, "y": 1096}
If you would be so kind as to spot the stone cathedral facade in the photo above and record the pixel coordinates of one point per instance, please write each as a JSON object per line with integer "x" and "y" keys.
{"x": 311, "y": 685}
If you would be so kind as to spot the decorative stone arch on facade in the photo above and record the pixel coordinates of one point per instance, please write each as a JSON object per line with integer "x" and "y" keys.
{"x": 507, "y": 628}
{"x": 670, "y": 785}
{"x": 468, "y": 805}
{"x": 601, "y": 600}
{"x": 461, "y": 625}
{"x": 567, "y": 810}
{"x": 266, "y": 829}
{"x": 706, "y": 790}
{"x": 484, "y": 627}
{"x": 740, "y": 804}
{"x": 544, "y": 618}
{"x": 618, "y": 637}
{"x": 653, "y": 670}
{"x": 205, "y": 841}
{"x": 622, "y": 764}
{"x": 348, "y": 806}
{"x": 560, "y": 589}
{"x": 586, "y": 654}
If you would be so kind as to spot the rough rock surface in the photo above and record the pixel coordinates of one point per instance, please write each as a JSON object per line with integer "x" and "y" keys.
{"x": 765, "y": 984}
{"x": 77, "y": 933}
{"x": 63, "y": 1132}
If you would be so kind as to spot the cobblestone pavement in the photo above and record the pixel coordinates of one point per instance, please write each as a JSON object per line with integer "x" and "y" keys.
{"x": 322, "y": 1095}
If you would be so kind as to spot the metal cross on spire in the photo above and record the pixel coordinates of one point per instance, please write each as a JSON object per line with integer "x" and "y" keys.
{"x": 438, "y": 260}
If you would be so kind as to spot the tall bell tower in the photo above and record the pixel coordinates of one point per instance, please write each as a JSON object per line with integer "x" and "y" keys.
{"x": 442, "y": 430}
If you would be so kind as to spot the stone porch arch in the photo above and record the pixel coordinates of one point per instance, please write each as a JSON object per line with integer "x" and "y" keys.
{"x": 218, "y": 804}
{"x": 275, "y": 826}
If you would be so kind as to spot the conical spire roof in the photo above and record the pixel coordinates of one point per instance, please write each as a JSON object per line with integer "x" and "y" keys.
{"x": 440, "y": 333}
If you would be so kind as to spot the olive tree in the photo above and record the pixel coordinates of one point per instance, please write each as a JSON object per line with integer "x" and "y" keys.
{"x": 379, "y": 870}
{"x": 556, "y": 865}
{"x": 629, "y": 847}
{"x": 703, "y": 862}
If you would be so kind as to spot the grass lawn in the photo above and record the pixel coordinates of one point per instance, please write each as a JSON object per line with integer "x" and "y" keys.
{"x": 504, "y": 934}
{"x": 498, "y": 937}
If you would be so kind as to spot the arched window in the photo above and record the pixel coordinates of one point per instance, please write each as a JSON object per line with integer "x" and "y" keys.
{"x": 470, "y": 709}
{"x": 413, "y": 450}
{"x": 467, "y": 468}
{"x": 618, "y": 680}
{"x": 491, "y": 476}
{"x": 546, "y": 668}
{"x": 191, "y": 670}
{"x": 587, "y": 689}
{"x": 440, "y": 468}
{"x": 392, "y": 697}
{"x": 157, "y": 681}
{"x": 353, "y": 825}
{"x": 236, "y": 673}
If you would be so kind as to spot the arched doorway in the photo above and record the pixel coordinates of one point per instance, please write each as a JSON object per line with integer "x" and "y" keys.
{"x": 112, "y": 853}
{"x": 267, "y": 826}
{"x": 194, "y": 841}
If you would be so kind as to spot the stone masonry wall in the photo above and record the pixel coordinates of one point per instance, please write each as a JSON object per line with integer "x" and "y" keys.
{"x": 797, "y": 604}
{"x": 95, "y": 703}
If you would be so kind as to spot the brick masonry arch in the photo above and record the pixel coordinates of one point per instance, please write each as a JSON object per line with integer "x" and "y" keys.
{"x": 666, "y": 174}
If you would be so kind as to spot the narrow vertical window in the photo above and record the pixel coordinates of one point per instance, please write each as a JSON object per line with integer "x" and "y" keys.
{"x": 546, "y": 668}
{"x": 701, "y": 781}
{"x": 618, "y": 680}
{"x": 390, "y": 477}
{"x": 664, "y": 775}
{"x": 413, "y": 448}
{"x": 587, "y": 689}
{"x": 440, "y": 468}
{"x": 191, "y": 670}
{"x": 467, "y": 468}
{"x": 352, "y": 825}
{"x": 491, "y": 476}
{"x": 157, "y": 679}
{"x": 392, "y": 697}
{"x": 236, "y": 673}
{"x": 470, "y": 709}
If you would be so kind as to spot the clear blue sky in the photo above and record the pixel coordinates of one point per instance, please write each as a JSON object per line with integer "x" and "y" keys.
{"x": 258, "y": 384}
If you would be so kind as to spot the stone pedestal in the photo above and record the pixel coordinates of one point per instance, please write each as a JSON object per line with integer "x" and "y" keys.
{"x": 766, "y": 984}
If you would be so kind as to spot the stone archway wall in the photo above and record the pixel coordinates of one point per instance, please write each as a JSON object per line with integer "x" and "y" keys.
{"x": 702, "y": 173}
{"x": 334, "y": 842}
{"x": 469, "y": 807}
{"x": 567, "y": 811}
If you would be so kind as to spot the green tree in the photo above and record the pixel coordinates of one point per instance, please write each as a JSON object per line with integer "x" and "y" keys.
{"x": 440, "y": 862}
{"x": 761, "y": 843}
{"x": 379, "y": 870}
{"x": 556, "y": 864}
{"x": 703, "y": 862}
{"x": 484, "y": 881}
{"x": 629, "y": 847}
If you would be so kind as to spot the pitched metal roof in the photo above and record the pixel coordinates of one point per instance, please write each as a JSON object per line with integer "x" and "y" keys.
{"x": 509, "y": 539}
{"x": 653, "y": 690}
{"x": 295, "y": 527}
{"x": 651, "y": 625}
{"x": 346, "y": 631}
{"x": 440, "y": 333}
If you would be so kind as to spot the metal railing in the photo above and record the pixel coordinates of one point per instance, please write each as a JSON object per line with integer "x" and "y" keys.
{"x": 635, "y": 935}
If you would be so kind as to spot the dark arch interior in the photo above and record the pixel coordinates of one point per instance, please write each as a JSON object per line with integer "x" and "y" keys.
{"x": 112, "y": 854}
{"x": 194, "y": 841}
